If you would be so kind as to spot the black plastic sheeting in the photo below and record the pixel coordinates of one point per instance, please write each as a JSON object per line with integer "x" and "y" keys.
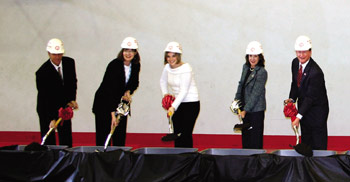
{"x": 119, "y": 165}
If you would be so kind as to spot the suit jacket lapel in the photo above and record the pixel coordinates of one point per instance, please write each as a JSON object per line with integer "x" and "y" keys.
{"x": 252, "y": 75}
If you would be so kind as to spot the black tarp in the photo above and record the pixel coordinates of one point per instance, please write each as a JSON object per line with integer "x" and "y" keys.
{"x": 119, "y": 165}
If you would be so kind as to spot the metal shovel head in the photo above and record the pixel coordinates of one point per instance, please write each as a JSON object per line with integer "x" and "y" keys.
{"x": 34, "y": 146}
{"x": 242, "y": 126}
{"x": 303, "y": 149}
{"x": 170, "y": 137}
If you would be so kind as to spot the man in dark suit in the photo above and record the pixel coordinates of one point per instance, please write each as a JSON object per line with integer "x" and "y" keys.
{"x": 309, "y": 90}
{"x": 57, "y": 86}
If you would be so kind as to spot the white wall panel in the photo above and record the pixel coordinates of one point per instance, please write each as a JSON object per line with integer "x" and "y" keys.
{"x": 214, "y": 35}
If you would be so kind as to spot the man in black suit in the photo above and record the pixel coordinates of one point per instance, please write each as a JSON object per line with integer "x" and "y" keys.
{"x": 309, "y": 90}
{"x": 57, "y": 86}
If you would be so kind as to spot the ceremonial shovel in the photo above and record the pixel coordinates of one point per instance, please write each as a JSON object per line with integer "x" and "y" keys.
{"x": 302, "y": 148}
{"x": 171, "y": 135}
{"x": 64, "y": 114}
{"x": 235, "y": 108}
{"x": 123, "y": 109}
{"x": 166, "y": 104}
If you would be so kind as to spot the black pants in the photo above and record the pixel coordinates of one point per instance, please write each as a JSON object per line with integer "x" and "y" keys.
{"x": 253, "y": 138}
{"x": 314, "y": 129}
{"x": 103, "y": 128}
{"x": 184, "y": 120}
{"x": 64, "y": 132}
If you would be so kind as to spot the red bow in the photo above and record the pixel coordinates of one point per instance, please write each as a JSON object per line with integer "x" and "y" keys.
{"x": 167, "y": 101}
{"x": 290, "y": 111}
{"x": 65, "y": 113}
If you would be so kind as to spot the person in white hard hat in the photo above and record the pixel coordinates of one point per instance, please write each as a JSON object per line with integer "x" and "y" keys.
{"x": 251, "y": 94}
{"x": 308, "y": 89}
{"x": 178, "y": 76}
{"x": 56, "y": 82}
{"x": 120, "y": 81}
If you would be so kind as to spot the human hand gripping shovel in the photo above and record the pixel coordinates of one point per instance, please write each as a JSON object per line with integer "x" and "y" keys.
{"x": 63, "y": 114}
{"x": 302, "y": 148}
{"x": 235, "y": 108}
{"x": 123, "y": 109}
{"x": 166, "y": 104}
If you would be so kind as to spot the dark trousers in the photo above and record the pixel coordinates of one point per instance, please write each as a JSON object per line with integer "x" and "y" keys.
{"x": 253, "y": 138}
{"x": 314, "y": 129}
{"x": 64, "y": 132}
{"x": 103, "y": 128}
{"x": 184, "y": 120}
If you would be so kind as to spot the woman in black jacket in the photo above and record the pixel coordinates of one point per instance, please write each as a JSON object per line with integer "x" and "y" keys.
{"x": 120, "y": 81}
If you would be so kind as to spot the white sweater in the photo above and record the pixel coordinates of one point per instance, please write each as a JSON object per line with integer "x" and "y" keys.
{"x": 181, "y": 82}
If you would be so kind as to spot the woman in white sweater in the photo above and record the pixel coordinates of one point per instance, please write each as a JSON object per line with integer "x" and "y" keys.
{"x": 178, "y": 77}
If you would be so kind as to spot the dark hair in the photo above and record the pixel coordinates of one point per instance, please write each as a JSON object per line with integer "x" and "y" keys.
{"x": 135, "y": 60}
{"x": 260, "y": 63}
{"x": 178, "y": 56}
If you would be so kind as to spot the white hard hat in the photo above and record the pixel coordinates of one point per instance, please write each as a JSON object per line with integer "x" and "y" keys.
{"x": 130, "y": 43}
{"x": 173, "y": 47}
{"x": 303, "y": 43}
{"x": 55, "y": 46}
{"x": 254, "y": 48}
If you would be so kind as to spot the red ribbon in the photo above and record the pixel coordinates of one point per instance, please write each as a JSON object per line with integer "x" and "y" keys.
{"x": 290, "y": 111}
{"x": 167, "y": 101}
{"x": 65, "y": 113}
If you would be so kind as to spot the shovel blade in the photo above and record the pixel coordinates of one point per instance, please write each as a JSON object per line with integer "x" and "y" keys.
{"x": 242, "y": 126}
{"x": 303, "y": 149}
{"x": 170, "y": 137}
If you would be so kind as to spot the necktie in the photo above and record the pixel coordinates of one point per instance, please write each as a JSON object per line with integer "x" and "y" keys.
{"x": 300, "y": 74}
{"x": 60, "y": 73}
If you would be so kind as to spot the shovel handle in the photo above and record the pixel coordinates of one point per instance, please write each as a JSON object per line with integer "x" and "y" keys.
{"x": 110, "y": 134}
{"x": 239, "y": 116}
{"x": 49, "y": 132}
{"x": 296, "y": 131}
{"x": 171, "y": 125}
{"x": 58, "y": 122}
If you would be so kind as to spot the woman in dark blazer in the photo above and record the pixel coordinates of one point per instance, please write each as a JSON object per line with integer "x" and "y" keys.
{"x": 251, "y": 93}
{"x": 120, "y": 81}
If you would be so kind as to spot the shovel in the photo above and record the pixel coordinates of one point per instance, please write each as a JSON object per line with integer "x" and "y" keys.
{"x": 171, "y": 135}
{"x": 110, "y": 135}
{"x": 241, "y": 126}
{"x": 301, "y": 148}
{"x": 51, "y": 129}
{"x": 235, "y": 108}
{"x": 123, "y": 109}
{"x": 65, "y": 114}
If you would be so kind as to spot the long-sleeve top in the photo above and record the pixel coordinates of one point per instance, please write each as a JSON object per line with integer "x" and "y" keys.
{"x": 254, "y": 89}
{"x": 181, "y": 82}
